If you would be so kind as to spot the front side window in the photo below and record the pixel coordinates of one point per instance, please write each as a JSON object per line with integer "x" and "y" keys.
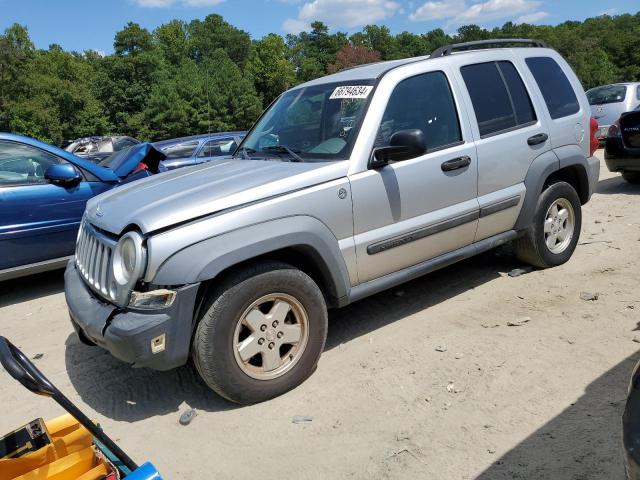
{"x": 314, "y": 123}
{"x": 423, "y": 102}
{"x": 555, "y": 86}
{"x": 500, "y": 100}
{"x": 23, "y": 165}
{"x": 218, "y": 147}
{"x": 181, "y": 150}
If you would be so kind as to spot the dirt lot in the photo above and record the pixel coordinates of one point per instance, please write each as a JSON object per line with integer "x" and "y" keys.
{"x": 540, "y": 400}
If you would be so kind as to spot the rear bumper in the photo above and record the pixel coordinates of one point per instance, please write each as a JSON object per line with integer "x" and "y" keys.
{"x": 620, "y": 158}
{"x": 127, "y": 334}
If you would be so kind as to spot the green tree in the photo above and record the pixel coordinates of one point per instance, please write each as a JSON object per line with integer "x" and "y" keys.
{"x": 270, "y": 68}
{"x": 212, "y": 95}
{"x": 311, "y": 52}
{"x": 16, "y": 51}
{"x": 132, "y": 39}
{"x": 214, "y": 33}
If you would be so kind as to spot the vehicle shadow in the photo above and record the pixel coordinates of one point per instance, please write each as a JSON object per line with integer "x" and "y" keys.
{"x": 372, "y": 313}
{"x": 29, "y": 288}
{"x": 120, "y": 392}
{"x": 582, "y": 442}
{"x": 617, "y": 185}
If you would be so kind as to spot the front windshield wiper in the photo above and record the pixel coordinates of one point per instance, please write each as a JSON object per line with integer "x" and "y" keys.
{"x": 284, "y": 149}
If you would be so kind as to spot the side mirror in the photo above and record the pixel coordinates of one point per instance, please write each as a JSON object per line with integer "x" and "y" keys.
{"x": 403, "y": 145}
{"x": 63, "y": 174}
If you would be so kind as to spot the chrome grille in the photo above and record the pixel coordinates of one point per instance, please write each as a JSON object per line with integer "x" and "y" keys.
{"x": 93, "y": 258}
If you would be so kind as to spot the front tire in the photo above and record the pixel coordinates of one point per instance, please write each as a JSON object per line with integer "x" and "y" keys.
{"x": 555, "y": 230}
{"x": 263, "y": 333}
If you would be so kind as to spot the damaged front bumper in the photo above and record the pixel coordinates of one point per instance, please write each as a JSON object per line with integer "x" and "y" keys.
{"x": 158, "y": 339}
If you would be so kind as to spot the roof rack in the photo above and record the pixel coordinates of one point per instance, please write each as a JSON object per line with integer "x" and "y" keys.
{"x": 448, "y": 49}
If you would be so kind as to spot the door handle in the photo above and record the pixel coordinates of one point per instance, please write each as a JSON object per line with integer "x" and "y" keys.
{"x": 537, "y": 139}
{"x": 456, "y": 163}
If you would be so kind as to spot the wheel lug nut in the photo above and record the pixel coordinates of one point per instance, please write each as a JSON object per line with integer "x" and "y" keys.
{"x": 263, "y": 327}
{"x": 280, "y": 334}
{"x": 260, "y": 341}
{"x": 271, "y": 345}
{"x": 275, "y": 323}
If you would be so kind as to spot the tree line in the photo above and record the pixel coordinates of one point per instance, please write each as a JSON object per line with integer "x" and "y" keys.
{"x": 207, "y": 75}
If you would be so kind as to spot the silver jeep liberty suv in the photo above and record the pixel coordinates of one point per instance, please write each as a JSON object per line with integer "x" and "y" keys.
{"x": 346, "y": 185}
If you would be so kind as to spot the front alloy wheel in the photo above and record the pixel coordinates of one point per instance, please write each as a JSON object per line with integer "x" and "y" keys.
{"x": 271, "y": 336}
{"x": 262, "y": 333}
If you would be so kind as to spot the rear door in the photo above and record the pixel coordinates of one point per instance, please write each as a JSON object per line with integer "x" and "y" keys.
{"x": 509, "y": 135}
{"x": 38, "y": 220}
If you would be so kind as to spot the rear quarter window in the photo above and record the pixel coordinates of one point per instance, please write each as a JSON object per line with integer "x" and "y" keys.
{"x": 556, "y": 89}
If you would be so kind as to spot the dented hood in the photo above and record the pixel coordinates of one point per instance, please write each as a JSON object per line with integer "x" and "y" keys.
{"x": 163, "y": 200}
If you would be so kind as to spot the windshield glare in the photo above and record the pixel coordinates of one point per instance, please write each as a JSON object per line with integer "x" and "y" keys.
{"x": 607, "y": 94}
{"x": 318, "y": 122}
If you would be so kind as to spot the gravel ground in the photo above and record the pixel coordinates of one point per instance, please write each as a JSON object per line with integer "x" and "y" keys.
{"x": 427, "y": 380}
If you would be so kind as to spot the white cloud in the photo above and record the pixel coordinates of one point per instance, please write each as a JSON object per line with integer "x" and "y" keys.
{"x": 438, "y": 10}
{"x": 341, "y": 13}
{"x": 531, "y": 18}
{"x": 170, "y": 3}
{"x": 459, "y": 11}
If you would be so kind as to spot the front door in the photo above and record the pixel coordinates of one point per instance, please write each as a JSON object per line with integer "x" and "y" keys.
{"x": 410, "y": 211}
{"x": 38, "y": 220}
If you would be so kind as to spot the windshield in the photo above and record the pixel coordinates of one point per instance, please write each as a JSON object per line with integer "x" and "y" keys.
{"x": 607, "y": 94}
{"x": 318, "y": 122}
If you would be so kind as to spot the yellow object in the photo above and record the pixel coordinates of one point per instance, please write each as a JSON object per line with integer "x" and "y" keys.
{"x": 70, "y": 456}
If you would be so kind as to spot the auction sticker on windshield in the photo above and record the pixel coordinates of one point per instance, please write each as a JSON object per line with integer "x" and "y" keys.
{"x": 351, "y": 91}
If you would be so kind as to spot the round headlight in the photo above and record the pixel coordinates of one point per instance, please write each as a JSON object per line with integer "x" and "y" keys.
{"x": 129, "y": 259}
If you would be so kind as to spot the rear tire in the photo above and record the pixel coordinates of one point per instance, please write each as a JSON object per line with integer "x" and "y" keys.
{"x": 632, "y": 177}
{"x": 555, "y": 230}
{"x": 263, "y": 333}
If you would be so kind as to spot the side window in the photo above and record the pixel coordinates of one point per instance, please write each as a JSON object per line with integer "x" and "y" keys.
{"x": 638, "y": 92}
{"x": 23, "y": 165}
{"x": 181, "y": 150}
{"x": 555, "y": 86}
{"x": 500, "y": 100}
{"x": 424, "y": 102}
{"x": 218, "y": 147}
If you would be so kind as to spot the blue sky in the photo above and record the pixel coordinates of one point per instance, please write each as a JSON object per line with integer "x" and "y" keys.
{"x": 91, "y": 24}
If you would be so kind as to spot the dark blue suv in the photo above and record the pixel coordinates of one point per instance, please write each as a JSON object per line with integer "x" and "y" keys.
{"x": 43, "y": 192}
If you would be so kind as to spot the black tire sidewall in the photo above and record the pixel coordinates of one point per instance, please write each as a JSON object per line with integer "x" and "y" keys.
{"x": 213, "y": 343}
{"x": 548, "y": 196}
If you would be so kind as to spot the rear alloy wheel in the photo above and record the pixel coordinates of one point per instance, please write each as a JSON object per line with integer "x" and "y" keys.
{"x": 554, "y": 233}
{"x": 559, "y": 225}
{"x": 262, "y": 334}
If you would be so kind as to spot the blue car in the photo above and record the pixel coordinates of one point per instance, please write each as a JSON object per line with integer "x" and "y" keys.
{"x": 196, "y": 149}
{"x": 43, "y": 192}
